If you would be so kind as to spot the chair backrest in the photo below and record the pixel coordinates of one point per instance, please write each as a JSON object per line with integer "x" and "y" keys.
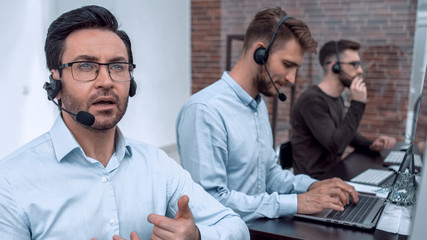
{"x": 285, "y": 155}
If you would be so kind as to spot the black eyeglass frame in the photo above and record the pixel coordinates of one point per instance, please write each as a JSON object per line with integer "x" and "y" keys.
{"x": 355, "y": 64}
{"x": 70, "y": 64}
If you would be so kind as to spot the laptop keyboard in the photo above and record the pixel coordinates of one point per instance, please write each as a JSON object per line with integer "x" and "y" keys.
{"x": 396, "y": 157}
{"x": 373, "y": 176}
{"x": 355, "y": 212}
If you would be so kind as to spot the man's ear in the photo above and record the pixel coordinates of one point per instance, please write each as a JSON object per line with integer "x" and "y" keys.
{"x": 259, "y": 53}
{"x": 257, "y": 45}
{"x": 56, "y": 76}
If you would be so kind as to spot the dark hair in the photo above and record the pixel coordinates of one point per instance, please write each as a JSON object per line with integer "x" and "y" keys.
{"x": 88, "y": 17}
{"x": 328, "y": 52}
{"x": 262, "y": 27}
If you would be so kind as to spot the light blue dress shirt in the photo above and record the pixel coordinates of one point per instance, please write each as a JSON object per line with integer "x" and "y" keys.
{"x": 225, "y": 141}
{"x": 49, "y": 189}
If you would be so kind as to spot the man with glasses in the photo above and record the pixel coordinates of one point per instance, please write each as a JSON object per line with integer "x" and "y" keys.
{"x": 322, "y": 128}
{"x": 84, "y": 179}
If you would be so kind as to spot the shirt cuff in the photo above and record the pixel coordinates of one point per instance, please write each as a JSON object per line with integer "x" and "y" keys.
{"x": 288, "y": 204}
{"x": 303, "y": 183}
{"x": 357, "y": 104}
{"x": 233, "y": 231}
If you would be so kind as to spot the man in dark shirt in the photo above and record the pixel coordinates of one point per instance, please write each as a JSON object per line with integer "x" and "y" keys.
{"x": 322, "y": 127}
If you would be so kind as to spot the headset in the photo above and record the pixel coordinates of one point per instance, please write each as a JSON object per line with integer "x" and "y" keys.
{"x": 261, "y": 53}
{"x": 54, "y": 86}
{"x": 336, "y": 68}
{"x": 261, "y": 56}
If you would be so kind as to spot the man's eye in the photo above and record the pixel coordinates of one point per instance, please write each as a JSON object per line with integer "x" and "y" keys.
{"x": 288, "y": 65}
{"x": 355, "y": 64}
{"x": 117, "y": 67}
{"x": 86, "y": 66}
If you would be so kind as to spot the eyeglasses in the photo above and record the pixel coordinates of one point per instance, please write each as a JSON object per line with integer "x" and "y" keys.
{"x": 88, "y": 71}
{"x": 355, "y": 64}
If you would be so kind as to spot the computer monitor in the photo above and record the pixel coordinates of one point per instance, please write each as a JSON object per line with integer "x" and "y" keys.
{"x": 413, "y": 116}
{"x": 419, "y": 230}
{"x": 417, "y": 106}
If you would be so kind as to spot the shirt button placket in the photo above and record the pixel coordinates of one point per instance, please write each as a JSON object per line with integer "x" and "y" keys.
{"x": 259, "y": 164}
{"x": 111, "y": 222}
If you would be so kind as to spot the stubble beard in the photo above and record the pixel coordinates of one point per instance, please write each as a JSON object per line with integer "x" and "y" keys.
{"x": 104, "y": 120}
{"x": 262, "y": 82}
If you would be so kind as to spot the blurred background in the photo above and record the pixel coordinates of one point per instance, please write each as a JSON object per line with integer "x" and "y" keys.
{"x": 160, "y": 35}
{"x": 181, "y": 46}
{"x": 393, "y": 38}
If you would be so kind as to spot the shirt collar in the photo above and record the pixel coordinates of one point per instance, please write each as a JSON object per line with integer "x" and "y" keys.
{"x": 123, "y": 148}
{"x": 64, "y": 142}
{"x": 240, "y": 92}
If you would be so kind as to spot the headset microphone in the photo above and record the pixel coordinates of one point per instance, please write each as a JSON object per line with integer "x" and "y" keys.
{"x": 52, "y": 88}
{"x": 261, "y": 55}
{"x": 280, "y": 95}
{"x": 82, "y": 117}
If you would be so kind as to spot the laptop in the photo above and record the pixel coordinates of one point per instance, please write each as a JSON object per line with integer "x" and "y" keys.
{"x": 366, "y": 213}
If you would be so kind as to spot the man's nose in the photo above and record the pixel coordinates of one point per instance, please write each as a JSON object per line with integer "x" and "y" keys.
{"x": 291, "y": 75}
{"x": 104, "y": 76}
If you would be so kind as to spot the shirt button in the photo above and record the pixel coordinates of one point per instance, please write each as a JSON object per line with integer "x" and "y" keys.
{"x": 112, "y": 222}
{"x": 104, "y": 179}
{"x": 256, "y": 113}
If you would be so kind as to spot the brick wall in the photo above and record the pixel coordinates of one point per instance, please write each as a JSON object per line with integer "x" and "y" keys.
{"x": 384, "y": 28}
{"x": 206, "y": 58}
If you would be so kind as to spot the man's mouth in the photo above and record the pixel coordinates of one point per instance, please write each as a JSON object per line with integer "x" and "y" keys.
{"x": 104, "y": 101}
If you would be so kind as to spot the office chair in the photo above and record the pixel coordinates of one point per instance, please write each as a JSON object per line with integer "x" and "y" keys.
{"x": 284, "y": 153}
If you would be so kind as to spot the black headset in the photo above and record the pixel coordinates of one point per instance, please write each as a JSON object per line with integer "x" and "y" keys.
{"x": 261, "y": 53}
{"x": 336, "y": 68}
{"x": 54, "y": 86}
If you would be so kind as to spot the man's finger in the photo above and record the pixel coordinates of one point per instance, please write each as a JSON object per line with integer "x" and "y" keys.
{"x": 348, "y": 189}
{"x": 183, "y": 208}
{"x": 134, "y": 236}
{"x": 162, "y": 222}
{"x": 334, "y": 204}
{"x": 116, "y": 237}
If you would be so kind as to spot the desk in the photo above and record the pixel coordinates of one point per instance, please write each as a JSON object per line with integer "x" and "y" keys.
{"x": 290, "y": 227}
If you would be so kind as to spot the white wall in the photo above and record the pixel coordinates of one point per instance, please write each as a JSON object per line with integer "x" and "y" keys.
{"x": 160, "y": 34}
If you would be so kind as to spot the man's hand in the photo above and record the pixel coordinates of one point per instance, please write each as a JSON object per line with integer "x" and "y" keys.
{"x": 181, "y": 227}
{"x": 382, "y": 142}
{"x": 332, "y": 193}
{"x": 358, "y": 90}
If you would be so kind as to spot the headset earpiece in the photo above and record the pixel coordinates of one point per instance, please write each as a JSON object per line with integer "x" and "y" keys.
{"x": 261, "y": 55}
{"x": 52, "y": 87}
{"x": 132, "y": 88}
{"x": 336, "y": 68}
